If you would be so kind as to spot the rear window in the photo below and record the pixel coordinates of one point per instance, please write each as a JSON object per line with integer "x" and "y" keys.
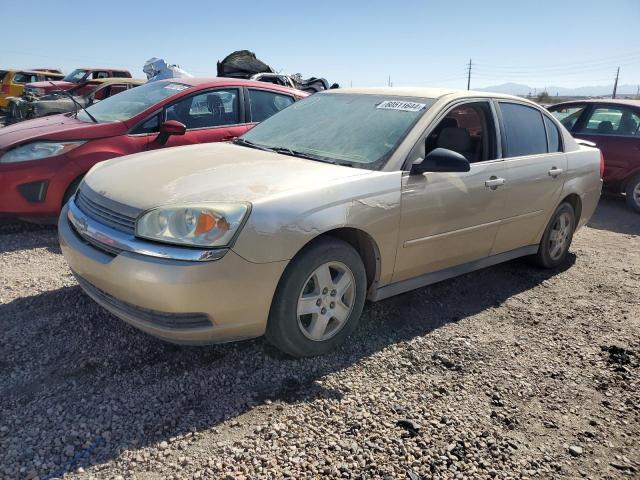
{"x": 524, "y": 130}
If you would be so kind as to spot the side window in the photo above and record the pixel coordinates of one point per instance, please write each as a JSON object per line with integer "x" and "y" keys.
{"x": 264, "y": 104}
{"x": 121, "y": 74}
{"x": 116, "y": 88}
{"x": 100, "y": 74}
{"x": 151, "y": 125}
{"x": 568, "y": 116}
{"x": 612, "y": 120}
{"x": 553, "y": 135}
{"x": 22, "y": 77}
{"x": 524, "y": 131}
{"x": 467, "y": 129}
{"x": 210, "y": 109}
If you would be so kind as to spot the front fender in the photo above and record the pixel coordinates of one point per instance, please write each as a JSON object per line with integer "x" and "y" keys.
{"x": 278, "y": 228}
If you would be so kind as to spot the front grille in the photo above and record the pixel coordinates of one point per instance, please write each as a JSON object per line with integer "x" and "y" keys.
{"x": 150, "y": 317}
{"x": 94, "y": 209}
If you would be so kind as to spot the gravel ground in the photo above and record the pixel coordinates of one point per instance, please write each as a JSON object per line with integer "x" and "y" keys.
{"x": 510, "y": 372}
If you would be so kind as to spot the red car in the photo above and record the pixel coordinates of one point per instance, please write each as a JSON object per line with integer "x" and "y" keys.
{"x": 614, "y": 126}
{"x": 77, "y": 77}
{"x": 43, "y": 160}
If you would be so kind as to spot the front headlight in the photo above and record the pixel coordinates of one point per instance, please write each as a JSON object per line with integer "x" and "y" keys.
{"x": 38, "y": 150}
{"x": 198, "y": 225}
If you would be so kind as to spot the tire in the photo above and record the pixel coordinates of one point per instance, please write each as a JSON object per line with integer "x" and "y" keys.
{"x": 632, "y": 193}
{"x": 560, "y": 229}
{"x": 335, "y": 316}
{"x": 71, "y": 190}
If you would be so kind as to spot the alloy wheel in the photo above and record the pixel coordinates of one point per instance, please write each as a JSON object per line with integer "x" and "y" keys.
{"x": 559, "y": 236}
{"x": 326, "y": 301}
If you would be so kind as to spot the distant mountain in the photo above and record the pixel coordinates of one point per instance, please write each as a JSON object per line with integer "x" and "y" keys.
{"x": 594, "y": 91}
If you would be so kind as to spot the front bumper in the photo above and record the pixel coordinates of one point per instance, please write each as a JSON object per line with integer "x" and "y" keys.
{"x": 16, "y": 178}
{"x": 170, "y": 298}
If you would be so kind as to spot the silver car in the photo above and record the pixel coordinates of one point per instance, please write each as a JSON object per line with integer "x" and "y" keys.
{"x": 347, "y": 195}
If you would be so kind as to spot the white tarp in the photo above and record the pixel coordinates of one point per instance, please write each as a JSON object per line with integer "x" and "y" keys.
{"x": 158, "y": 69}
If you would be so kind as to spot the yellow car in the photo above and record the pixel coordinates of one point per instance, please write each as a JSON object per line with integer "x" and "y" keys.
{"x": 12, "y": 82}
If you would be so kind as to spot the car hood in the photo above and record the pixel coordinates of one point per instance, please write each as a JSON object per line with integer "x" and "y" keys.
{"x": 47, "y": 86}
{"x": 219, "y": 172}
{"x": 57, "y": 127}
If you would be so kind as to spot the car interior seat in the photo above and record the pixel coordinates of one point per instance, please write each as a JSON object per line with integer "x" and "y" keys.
{"x": 458, "y": 140}
{"x": 605, "y": 127}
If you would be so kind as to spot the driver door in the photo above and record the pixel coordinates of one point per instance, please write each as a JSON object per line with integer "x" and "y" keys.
{"x": 449, "y": 219}
{"x": 211, "y": 116}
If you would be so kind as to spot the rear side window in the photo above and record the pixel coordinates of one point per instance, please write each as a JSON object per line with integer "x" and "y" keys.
{"x": 553, "y": 136}
{"x": 264, "y": 104}
{"x": 119, "y": 74}
{"x": 524, "y": 130}
{"x": 614, "y": 120}
{"x": 568, "y": 116}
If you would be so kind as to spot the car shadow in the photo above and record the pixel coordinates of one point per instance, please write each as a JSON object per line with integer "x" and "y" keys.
{"x": 88, "y": 377}
{"x": 17, "y": 235}
{"x": 614, "y": 215}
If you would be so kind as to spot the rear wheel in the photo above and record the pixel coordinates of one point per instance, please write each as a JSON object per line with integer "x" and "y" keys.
{"x": 632, "y": 193}
{"x": 319, "y": 299}
{"x": 557, "y": 237}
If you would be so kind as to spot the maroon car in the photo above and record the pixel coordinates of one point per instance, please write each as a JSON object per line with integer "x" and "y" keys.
{"x": 77, "y": 77}
{"x": 614, "y": 126}
{"x": 43, "y": 160}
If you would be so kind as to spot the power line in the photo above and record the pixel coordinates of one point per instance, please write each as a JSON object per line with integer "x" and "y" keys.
{"x": 614, "y": 59}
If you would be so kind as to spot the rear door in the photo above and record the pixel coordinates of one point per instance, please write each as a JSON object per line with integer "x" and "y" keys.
{"x": 537, "y": 165}
{"x": 263, "y": 103}
{"x": 615, "y": 130}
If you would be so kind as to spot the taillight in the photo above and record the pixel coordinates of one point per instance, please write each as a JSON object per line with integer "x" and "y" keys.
{"x": 601, "y": 164}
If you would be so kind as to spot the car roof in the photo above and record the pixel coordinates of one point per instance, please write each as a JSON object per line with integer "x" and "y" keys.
{"x": 426, "y": 92}
{"x": 612, "y": 101}
{"x": 23, "y": 70}
{"x": 221, "y": 81}
{"x": 102, "y": 68}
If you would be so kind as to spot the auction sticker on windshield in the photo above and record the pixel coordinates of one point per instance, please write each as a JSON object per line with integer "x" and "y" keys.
{"x": 403, "y": 106}
{"x": 176, "y": 86}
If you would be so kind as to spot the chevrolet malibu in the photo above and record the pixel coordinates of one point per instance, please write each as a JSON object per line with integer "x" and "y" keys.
{"x": 345, "y": 196}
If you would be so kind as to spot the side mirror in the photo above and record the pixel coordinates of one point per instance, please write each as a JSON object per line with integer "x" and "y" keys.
{"x": 168, "y": 128}
{"x": 441, "y": 160}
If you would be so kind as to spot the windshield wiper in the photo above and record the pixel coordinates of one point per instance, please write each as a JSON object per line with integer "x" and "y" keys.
{"x": 76, "y": 104}
{"x": 309, "y": 156}
{"x": 247, "y": 143}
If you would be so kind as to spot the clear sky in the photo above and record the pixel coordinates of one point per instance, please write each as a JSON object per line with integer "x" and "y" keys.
{"x": 561, "y": 42}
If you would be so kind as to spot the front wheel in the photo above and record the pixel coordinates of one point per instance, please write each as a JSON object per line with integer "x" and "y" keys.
{"x": 557, "y": 237}
{"x": 632, "y": 193}
{"x": 319, "y": 299}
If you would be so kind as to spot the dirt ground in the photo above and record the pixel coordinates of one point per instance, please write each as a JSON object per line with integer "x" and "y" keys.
{"x": 509, "y": 372}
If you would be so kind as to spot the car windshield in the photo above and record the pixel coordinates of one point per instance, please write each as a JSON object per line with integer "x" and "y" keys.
{"x": 359, "y": 130}
{"x": 131, "y": 102}
{"x": 75, "y": 76}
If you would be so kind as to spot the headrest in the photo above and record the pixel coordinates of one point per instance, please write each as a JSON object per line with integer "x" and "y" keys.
{"x": 605, "y": 127}
{"x": 456, "y": 139}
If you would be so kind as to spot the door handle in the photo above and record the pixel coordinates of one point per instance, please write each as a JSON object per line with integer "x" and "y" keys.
{"x": 229, "y": 137}
{"x": 554, "y": 172}
{"x": 494, "y": 182}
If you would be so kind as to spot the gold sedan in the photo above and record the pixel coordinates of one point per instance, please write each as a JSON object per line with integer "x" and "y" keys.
{"x": 347, "y": 195}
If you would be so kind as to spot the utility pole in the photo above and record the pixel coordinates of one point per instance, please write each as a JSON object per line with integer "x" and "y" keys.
{"x": 615, "y": 85}
{"x": 469, "y": 76}
{"x": 389, "y": 84}
{"x": 638, "y": 93}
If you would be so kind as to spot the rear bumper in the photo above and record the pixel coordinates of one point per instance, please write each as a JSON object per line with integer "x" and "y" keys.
{"x": 178, "y": 301}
